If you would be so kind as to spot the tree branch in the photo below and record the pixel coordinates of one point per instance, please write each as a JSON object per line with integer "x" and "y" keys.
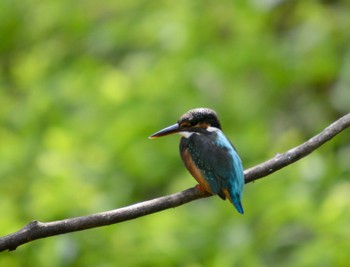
{"x": 36, "y": 230}
{"x": 294, "y": 154}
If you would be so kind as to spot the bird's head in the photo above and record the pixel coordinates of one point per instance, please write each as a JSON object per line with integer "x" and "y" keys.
{"x": 195, "y": 120}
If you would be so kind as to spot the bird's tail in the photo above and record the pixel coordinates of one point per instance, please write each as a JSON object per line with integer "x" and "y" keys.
{"x": 238, "y": 205}
{"x": 235, "y": 199}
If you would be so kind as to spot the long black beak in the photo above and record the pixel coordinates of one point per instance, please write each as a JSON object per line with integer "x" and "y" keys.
{"x": 166, "y": 131}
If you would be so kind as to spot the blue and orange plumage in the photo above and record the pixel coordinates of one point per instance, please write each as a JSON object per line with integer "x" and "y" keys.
{"x": 208, "y": 155}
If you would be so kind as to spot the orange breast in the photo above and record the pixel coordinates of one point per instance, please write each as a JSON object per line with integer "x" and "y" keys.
{"x": 196, "y": 173}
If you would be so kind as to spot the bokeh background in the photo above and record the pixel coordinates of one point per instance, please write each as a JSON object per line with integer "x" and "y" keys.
{"x": 84, "y": 83}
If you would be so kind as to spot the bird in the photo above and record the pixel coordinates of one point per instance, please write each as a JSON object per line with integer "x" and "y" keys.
{"x": 209, "y": 155}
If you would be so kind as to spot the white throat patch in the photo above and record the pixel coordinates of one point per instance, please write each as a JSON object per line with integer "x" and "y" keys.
{"x": 186, "y": 134}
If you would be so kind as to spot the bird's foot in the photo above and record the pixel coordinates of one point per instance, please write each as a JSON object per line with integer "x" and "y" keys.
{"x": 202, "y": 191}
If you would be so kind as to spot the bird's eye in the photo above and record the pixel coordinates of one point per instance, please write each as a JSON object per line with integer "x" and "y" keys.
{"x": 192, "y": 123}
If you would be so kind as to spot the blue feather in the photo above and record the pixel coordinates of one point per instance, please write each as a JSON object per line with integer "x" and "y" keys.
{"x": 219, "y": 163}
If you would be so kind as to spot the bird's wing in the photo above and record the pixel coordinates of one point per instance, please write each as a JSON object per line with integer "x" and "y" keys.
{"x": 220, "y": 164}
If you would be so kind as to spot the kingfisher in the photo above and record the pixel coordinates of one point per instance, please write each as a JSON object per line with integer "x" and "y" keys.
{"x": 208, "y": 154}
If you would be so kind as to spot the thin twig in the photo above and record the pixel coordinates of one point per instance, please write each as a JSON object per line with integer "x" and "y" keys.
{"x": 36, "y": 230}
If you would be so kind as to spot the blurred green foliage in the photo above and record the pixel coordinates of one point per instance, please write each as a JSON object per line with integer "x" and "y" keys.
{"x": 84, "y": 83}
